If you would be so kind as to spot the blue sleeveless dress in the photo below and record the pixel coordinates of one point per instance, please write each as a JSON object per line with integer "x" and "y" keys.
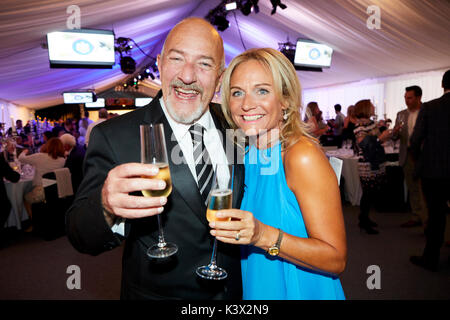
{"x": 269, "y": 198}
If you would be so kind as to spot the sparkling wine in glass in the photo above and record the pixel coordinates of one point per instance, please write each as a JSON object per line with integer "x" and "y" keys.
{"x": 153, "y": 151}
{"x": 220, "y": 198}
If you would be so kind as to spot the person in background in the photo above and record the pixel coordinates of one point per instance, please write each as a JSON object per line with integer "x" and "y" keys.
{"x": 404, "y": 126}
{"x": 349, "y": 124}
{"x": 102, "y": 116}
{"x": 68, "y": 126}
{"x": 286, "y": 207}
{"x": 58, "y": 131}
{"x": 311, "y": 113}
{"x": 86, "y": 119}
{"x": 338, "y": 126}
{"x": 19, "y": 127}
{"x": 6, "y": 172}
{"x": 83, "y": 125}
{"x": 430, "y": 147}
{"x": 371, "y": 164}
{"x": 43, "y": 163}
{"x": 74, "y": 159}
{"x": 46, "y": 136}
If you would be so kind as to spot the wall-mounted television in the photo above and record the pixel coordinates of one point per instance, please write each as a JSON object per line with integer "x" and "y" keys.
{"x": 100, "y": 103}
{"x": 79, "y": 97}
{"x": 312, "y": 54}
{"x": 81, "y": 48}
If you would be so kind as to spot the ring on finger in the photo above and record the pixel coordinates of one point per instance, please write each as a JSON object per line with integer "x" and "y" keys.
{"x": 238, "y": 236}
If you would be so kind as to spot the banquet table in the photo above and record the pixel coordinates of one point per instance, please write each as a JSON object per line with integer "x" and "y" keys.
{"x": 352, "y": 184}
{"x": 15, "y": 192}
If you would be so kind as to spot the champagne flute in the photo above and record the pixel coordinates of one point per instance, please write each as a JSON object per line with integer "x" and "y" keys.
{"x": 220, "y": 198}
{"x": 153, "y": 151}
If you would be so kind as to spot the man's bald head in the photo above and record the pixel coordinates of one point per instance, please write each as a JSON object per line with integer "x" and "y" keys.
{"x": 193, "y": 25}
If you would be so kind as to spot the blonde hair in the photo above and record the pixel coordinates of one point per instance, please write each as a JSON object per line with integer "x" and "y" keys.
{"x": 287, "y": 88}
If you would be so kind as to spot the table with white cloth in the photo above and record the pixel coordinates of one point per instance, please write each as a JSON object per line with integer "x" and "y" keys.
{"x": 394, "y": 191}
{"x": 16, "y": 192}
{"x": 352, "y": 185}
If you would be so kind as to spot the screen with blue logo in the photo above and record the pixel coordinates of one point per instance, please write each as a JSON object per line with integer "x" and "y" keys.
{"x": 83, "y": 47}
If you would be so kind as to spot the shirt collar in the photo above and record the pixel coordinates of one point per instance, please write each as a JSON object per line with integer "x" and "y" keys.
{"x": 180, "y": 129}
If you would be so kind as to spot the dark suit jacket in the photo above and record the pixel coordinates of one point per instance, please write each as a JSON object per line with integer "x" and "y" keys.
{"x": 430, "y": 141}
{"x": 5, "y": 172}
{"x": 74, "y": 162}
{"x": 115, "y": 142}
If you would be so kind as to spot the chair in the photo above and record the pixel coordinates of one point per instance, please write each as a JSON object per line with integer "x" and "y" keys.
{"x": 337, "y": 164}
{"x": 49, "y": 216}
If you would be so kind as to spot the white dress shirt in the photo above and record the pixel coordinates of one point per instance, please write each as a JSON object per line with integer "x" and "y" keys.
{"x": 412, "y": 118}
{"x": 212, "y": 140}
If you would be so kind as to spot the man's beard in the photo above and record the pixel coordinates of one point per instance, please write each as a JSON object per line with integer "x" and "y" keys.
{"x": 191, "y": 117}
{"x": 186, "y": 118}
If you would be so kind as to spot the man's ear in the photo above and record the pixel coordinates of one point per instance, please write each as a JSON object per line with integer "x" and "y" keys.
{"x": 158, "y": 62}
{"x": 219, "y": 82}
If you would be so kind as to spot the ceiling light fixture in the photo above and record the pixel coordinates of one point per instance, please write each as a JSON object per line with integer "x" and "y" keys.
{"x": 275, "y": 4}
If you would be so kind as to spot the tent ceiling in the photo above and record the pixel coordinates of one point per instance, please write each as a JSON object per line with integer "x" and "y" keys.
{"x": 413, "y": 37}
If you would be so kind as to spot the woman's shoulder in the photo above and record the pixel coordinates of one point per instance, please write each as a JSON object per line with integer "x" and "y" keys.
{"x": 303, "y": 153}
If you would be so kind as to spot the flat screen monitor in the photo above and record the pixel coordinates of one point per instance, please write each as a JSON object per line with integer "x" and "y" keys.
{"x": 140, "y": 102}
{"x": 100, "y": 103}
{"x": 312, "y": 54}
{"x": 81, "y": 48}
{"x": 79, "y": 97}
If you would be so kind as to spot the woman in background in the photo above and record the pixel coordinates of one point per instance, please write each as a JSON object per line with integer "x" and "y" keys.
{"x": 313, "y": 120}
{"x": 43, "y": 162}
{"x": 371, "y": 165}
{"x": 349, "y": 125}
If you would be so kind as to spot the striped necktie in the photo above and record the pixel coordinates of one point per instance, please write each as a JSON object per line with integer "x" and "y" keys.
{"x": 203, "y": 166}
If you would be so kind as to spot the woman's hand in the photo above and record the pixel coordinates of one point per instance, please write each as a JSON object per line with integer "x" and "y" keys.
{"x": 385, "y": 135}
{"x": 243, "y": 228}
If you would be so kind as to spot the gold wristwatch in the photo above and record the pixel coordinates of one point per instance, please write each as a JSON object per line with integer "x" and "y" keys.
{"x": 275, "y": 249}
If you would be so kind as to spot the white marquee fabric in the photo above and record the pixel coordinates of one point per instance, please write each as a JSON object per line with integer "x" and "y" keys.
{"x": 413, "y": 37}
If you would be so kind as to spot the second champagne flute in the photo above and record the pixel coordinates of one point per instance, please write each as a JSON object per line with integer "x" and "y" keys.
{"x": 153, "y": 151}
{"x": 220, "y": 198}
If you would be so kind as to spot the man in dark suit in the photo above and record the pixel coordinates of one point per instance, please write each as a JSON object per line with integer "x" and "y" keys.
{"x": 404, "y": 126}
{"x": 430, "y": 144}
{"x": 190, "y": 64}
{"x": 74, "y": 159}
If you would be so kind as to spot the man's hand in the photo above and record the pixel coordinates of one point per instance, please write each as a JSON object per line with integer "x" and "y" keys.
{"x": 128, "y": 178}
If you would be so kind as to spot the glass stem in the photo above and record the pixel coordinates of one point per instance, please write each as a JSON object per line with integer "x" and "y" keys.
{"x": 161, "y": 241}
{"x": 212, "y": 264}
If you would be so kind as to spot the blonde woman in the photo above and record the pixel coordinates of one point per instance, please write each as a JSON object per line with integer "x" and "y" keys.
{"x": 290, "y": 224}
